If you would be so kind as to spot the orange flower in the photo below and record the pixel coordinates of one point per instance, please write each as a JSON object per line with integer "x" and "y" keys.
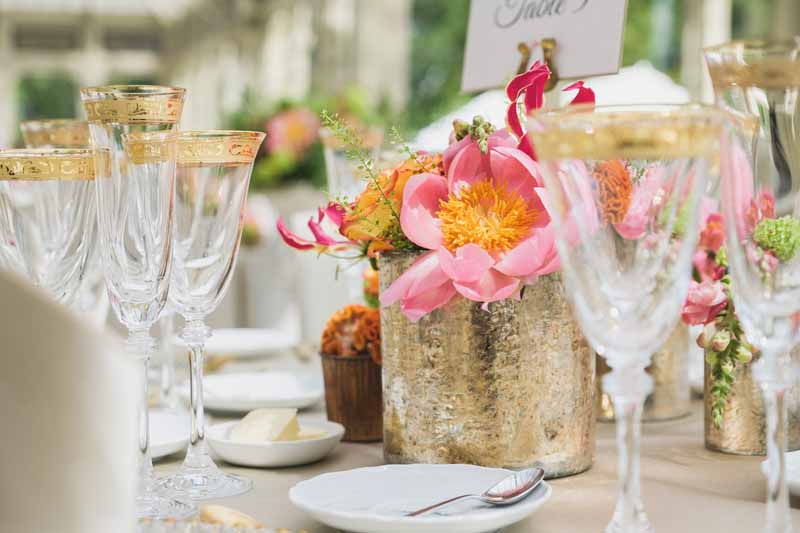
{"x": 352, "y": 331}
{"x": 615, "y": 188}
{"x": 376, "y": 211}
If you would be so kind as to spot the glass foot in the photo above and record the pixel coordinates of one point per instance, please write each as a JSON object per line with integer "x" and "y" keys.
{"x": 158, "y": 507}
{"x": 205, "y": 483}
{"x": 642, "y": 525}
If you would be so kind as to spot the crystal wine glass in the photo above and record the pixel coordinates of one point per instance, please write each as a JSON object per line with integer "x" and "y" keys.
{"x": 72, "y": 133}
{"x": 136, "y": 125}
{"x": 758, "y": 84}
{"x": 47, "y": 212}
{"x": 214, "y": 170}
{"x": 623, "y": 188}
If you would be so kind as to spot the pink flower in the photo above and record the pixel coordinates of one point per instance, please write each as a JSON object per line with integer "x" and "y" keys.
{"x": 707, "y": 267}
{"x": 485, "y": 226}
{"x": 759, "y": 209}
{"x": 641, "y": 212}
{"x": 704, "y": 301}
{"x": 292, "y": 131}
{"x": 712, "y": 237}
{"x": 530, "y": 87}
{"x": 737, "y": 185}
{"x": 322, "y": 242}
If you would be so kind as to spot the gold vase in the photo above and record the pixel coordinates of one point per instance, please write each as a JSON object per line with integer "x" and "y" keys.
{"x": 742, "y": 431}
{"x": 509, "y": 387}
{"x": 671, "y": 396}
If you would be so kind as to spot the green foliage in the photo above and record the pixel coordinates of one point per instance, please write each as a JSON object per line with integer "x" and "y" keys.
{"x": 47, "y": 96}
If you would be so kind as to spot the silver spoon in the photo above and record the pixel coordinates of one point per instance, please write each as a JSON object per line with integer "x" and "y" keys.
{"x": 508, "y": 491}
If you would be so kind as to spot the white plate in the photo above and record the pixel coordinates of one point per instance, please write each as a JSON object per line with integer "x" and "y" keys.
{"x": 275, "y": 454}
{"x": 375, "y": 500}
{"x": 169, "y": 432}
{"x": 245, "y": 342}
{"x": 248, "y": 391}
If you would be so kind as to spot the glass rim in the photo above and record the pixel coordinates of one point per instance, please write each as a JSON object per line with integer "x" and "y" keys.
{"x": 768, "y": 46}
{"x": 584, "y": 113}
{"x": 32, "y": 153}
{"x": 50, "y": 164}
{"x": 54, "y": 122}
{"x": 220, "y": 134}
{"x": 131, "y": 91}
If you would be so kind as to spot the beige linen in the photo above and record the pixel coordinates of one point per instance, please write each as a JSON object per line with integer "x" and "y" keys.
{"x": 67, "y": 422}
{"x": 687, "y": 489}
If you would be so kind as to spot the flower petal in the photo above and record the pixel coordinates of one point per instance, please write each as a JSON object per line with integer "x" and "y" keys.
{"x": 335, "y": 213}
{"x": 451, "y": 151}
{"x": 421, "y": 198}
{"x": 526, "y": 145}
{"x": 522, "y": 81}
{"x": 468, "y": 265}
{"x": 585, "y": 94}
{"x": 292, "y": 239}
{"x": 400, "y": 287}
{"x": 512, "y": 119}
{"x": 529, "y": 256}
{"x": 467, "y": 167}
{"x": 534, "y": 94}
{"x": 319, "y": 234}
{"x": 492, "y": 286}
{"x": 422, "y": 304}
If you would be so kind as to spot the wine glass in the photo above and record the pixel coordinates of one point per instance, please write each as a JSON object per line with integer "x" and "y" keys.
{"x": 47, "y": 212}
{"x": 213, "y": 174}
{"x": 135, "y": 125}
{"x": 72, "y": 133}
{"x": 623, "y": 187}
{"x": 758, "y": 84}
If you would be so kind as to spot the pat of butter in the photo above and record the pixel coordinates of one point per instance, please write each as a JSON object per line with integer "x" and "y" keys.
{"x": 267, "y": 425}
{"x": 308, "y": 433}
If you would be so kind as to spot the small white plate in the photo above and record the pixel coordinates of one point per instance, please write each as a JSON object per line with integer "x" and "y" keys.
{"x": 169, "y": 432}
{"x": 275, "y": 454}
{"x": 247, "y": 391}
{"x": 375, "y": 500}
{"x": 245, "y": 343}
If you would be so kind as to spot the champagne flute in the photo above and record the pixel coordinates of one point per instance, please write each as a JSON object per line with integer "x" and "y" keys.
{"x": 213, "y": 175}
{"x": 758, "y": 84}
{"x": 623, "y": 188}
{"x": 136, "y": 125}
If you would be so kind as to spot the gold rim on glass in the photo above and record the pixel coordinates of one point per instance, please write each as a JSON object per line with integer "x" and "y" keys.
{"x": 769, "y": 64}
{"x": 218, "y": 147}
{"x": 133, "y": 104}
{"x": 60, "y": 132}
{"x": 643, "y": 132}
{"x": 150, "y": 147}
{"x": 48, "y": 164}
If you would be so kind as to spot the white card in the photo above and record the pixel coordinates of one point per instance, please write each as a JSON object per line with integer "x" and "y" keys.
{"x": 588, "y": 36}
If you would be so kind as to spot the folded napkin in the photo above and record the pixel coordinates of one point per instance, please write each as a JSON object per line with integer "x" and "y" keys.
{"x": 68, "y": 398}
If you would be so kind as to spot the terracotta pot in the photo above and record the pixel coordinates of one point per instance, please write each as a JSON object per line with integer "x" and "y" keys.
{"x": 511, "y": 386}
{"x": 353, "y": 396}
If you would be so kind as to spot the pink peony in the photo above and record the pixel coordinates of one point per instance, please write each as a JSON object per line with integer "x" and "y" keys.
{"x": 292, "y": 131}
{"x": 704, "y": 301}
{"x": 485, "y": 226}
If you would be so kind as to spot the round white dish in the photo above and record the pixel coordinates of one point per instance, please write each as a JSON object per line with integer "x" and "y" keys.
{"x": 245, "y": 343}
{"x": 376, "y": 499}
{"x": 247, "y": 391}
{"x": 169, "y": 432}
{"x": 274, "y": 454}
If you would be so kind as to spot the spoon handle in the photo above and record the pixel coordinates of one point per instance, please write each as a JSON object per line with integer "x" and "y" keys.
{"x": 441, "y": 504}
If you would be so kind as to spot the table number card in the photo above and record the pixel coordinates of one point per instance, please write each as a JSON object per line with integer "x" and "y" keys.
{"x": 588, "y": 36}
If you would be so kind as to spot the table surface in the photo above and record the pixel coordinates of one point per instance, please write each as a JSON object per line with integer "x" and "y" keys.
{"x": 686, "y": 488}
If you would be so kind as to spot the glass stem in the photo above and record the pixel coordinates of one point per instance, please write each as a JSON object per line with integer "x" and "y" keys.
{"x": 194, "y": 335}
{"x": 628, "y": 388}
{"x": 140, "y": 345}
{"x": 779, "y": 519}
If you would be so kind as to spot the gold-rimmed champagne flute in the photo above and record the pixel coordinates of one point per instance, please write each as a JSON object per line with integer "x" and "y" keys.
{"x": 758, "y": 84}
{"x": 623, "y": 188}
{"x": 213, "y": 175}
{"x": 136, "y": 125}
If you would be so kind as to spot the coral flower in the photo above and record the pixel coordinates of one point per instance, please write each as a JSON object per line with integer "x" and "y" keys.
{"x": 485, "y": 226}
{"x": 322, "y": 242}
{"x": 292, "y": 131}
{"x": 704, "y": 301}
{"x": 712, "y": 236}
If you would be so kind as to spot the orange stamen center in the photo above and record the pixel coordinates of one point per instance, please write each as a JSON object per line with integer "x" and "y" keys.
{"x": 485, "y": 214}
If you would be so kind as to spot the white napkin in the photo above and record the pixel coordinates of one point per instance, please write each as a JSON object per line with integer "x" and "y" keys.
{"x": 68, "y": 400}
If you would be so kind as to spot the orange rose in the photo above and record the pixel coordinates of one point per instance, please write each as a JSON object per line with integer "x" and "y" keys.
{"x": 375, "y": 216}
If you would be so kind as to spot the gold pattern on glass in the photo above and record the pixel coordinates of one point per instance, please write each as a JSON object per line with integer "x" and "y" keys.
{"x": 135, "y": 109}
{"x": 149, "y": 147}
{"x": 197, "y": 148}
{"x": 766, "y": 65}
{"x": 580, "y": 133}
{"x": 63, "y": 133}
{"x": 47, "y": 165}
